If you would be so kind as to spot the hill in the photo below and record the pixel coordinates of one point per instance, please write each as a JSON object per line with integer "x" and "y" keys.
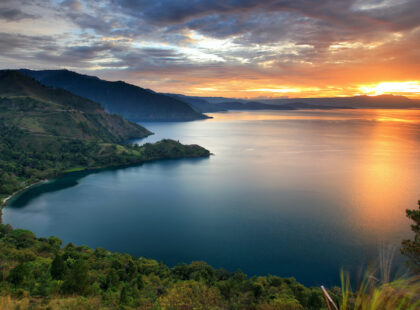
{"x": 130, "y": 101}
{"x": 45, "y": 132}
{"x": 356, "y": 102}
{"x": 40, "y": 110}
{"x": 219, "y": 104}
{"x": 199, "y": 103}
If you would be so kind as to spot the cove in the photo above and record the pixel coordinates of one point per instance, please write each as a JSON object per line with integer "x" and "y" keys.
{"x": 290, "y": 193}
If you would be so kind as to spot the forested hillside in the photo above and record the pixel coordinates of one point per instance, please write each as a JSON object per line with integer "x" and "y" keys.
{"x": 44, "y": 132}
{"x": 39, "y": 273}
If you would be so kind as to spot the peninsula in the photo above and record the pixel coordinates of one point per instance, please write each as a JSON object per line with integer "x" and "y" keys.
{"x": 45, "y": 132}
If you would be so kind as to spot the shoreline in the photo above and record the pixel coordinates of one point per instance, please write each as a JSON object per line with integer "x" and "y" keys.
{"x": 8, "y": 198}
{"x": 86, "y": 169}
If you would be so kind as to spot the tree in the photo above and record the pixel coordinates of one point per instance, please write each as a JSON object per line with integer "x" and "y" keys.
{"x": 140, "y": 282}
{"x": 191, "y": 295}
{"x": 18, "y": 274}
{"x": 22, "y": 238}
{"x": 55, "y": 242}
{"x": 111, "y": 280}
{"x": 5, "y": 229}
{"x": 77, "y": 280}
{"x": 411, "y": 248}
{"x": 124, "y": 296}
{"x": 131, "y": 270}
{"x": 58, "y": 268}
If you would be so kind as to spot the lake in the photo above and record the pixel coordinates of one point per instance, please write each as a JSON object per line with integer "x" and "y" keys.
{"x": 290, "y": 193}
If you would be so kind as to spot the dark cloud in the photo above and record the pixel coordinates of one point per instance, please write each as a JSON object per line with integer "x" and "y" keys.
{"x": 215, "y": 39}
{"x": 338, "y": 12}
{"x": 319, "y": 23}
{"x": 18, "y": 44}
{"x": 13, "y": 14}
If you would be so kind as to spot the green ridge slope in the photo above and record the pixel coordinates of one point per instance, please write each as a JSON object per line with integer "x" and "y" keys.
{"x": 45, "y": 131}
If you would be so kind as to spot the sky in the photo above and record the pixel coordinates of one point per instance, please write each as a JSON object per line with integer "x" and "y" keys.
{"x": 230, "y": 48}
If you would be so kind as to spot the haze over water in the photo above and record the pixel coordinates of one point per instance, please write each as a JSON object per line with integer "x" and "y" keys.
{"x": 291, "y": 193}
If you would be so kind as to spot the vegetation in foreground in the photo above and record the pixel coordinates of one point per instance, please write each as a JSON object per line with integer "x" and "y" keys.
{"x": 411, "y": 248}
{"x": 379, "y": 293}
{"x": 38, "y": 273}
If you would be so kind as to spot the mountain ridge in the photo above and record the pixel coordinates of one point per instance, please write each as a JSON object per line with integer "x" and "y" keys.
{"x": 132, "y": 102}
{"x": 43, "y": 110}
{"x": 220, "y": 104}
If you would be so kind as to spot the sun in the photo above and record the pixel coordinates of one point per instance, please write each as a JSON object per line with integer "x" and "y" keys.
{"x": 410, "y": 88}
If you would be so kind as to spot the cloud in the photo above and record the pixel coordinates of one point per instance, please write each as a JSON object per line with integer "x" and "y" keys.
{"x": 18, "y": 44}
{"x": 13, "y": 14}
{"x": 75, "y": 5}
{"x": 214, "y": 43}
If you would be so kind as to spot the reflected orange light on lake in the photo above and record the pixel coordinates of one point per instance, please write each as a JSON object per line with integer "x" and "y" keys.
{"x": 378, "y": 115}
{"x": 374, "y": 151}
{"x": 379, "y": 179}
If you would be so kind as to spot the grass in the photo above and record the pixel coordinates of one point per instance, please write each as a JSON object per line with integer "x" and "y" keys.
{"x": 400, "y": 294}
{"x": 377, "y": 291}
{"x": 74, "y": 169}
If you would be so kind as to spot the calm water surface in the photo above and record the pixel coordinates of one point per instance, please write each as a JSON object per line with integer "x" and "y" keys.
{"x": 291, "y": 193}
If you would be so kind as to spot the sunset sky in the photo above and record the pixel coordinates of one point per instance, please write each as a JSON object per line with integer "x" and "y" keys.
{"x": 234, "y": 48}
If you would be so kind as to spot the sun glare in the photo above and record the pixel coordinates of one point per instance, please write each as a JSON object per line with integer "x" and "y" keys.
{"x": 409, "y": 88}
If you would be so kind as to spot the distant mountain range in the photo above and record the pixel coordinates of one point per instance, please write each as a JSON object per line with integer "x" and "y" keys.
{"x": 218, "y": 104}
{"x": 132, "y": 102}
{"x": 356, "y": 102}
{"x": 139, "y": 104}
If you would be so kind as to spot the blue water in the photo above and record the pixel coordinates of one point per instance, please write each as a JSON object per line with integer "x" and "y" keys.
{"x": 291, "y": 193}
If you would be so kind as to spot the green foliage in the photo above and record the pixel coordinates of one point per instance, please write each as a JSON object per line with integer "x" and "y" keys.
{"x": 26, "y": 159}
{"x": 124, "y": 296}
{"x": 18, "y": 274}
{"x": 21, "y": 238}
{"x": 411, "y": 248}
{"x": 58, "y": 268}
{"x": 77, "y": 280}
{"x": 45, "y": 132}
{"x": 378, "y": 294}
{"x": 82, "y": 278}
{"x": 40, "y": 268}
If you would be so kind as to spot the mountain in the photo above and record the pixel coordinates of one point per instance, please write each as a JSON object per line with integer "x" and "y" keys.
{"x": 27, "y": 104}
{"x": 356, "y": 102}
{"x": 46, "y": 131}
{"x": 250, "y": 105}
{"x": 198, "y": 103}
{"x": 220, "y": 104}
{"x": 130, "y": 101}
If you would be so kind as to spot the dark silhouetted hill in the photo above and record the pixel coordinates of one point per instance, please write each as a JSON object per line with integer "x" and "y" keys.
{"x": 130, "y": 101}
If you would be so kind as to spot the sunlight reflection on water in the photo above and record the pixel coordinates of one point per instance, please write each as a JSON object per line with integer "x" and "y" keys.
{"x": 293, "y": 193}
